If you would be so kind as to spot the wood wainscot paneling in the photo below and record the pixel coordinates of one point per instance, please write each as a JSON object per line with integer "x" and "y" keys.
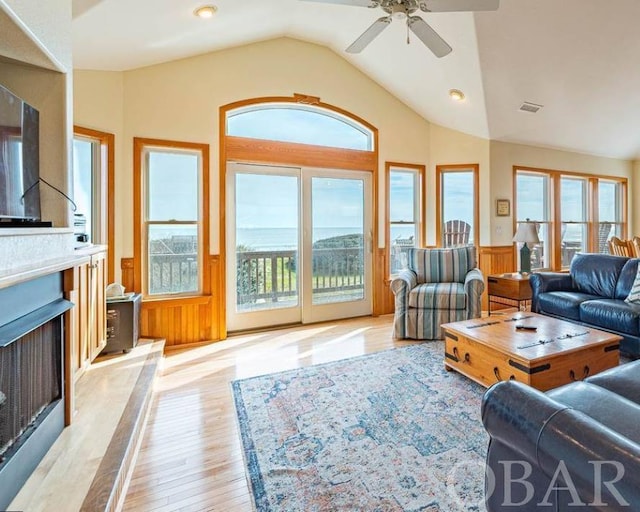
{"x": 495, "y": 260}
{"x": 180, "y": 321}
{"x": 385, "y": 301}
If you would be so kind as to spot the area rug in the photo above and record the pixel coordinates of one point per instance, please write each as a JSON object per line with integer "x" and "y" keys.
{"x": 390, "y": 431}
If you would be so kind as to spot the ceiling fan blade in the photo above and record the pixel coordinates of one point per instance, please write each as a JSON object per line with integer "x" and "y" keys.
{"x": 369, "y": 35}
{"x": 459, "y": 5}
{"x": 357, "y": 3}
{"x": 428, "y": 36}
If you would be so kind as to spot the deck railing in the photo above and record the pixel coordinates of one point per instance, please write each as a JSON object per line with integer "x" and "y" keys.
{"x": 266, "y": 276}
{"x": 272, "y": 276}
{"x": 173, "y": 273}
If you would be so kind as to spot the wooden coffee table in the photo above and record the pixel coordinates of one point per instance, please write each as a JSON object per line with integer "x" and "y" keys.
{"x": 488, "y": 350}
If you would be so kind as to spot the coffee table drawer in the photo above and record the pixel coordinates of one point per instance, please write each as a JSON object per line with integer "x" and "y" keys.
{"x": 479, "y": 363}
{"x": 487, "y": 366}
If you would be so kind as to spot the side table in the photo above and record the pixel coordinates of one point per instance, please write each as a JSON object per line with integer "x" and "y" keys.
{"x": 509, "y": 289}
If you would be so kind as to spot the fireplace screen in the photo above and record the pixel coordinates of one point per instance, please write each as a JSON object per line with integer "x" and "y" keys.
{"x": 30, "y": 380}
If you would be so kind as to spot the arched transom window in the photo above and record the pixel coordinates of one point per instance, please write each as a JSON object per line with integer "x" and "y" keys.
{"x": 304, "y": 124}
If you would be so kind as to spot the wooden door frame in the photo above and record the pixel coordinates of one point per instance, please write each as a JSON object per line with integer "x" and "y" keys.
{"x": 260, "y": 151}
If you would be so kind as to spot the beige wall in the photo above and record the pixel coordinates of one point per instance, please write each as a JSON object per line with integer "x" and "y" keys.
{"x": 98, "y": 103}
{"x": 180, "y": 100}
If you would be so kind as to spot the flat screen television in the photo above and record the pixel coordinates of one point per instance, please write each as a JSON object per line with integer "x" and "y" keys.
{"x": 19, "y": 160}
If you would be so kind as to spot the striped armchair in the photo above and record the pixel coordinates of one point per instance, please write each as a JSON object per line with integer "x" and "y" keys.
{"x": 439, "y": 286}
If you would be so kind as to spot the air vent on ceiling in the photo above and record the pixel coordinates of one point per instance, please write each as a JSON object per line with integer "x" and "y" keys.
{"x": 530, "y": 107}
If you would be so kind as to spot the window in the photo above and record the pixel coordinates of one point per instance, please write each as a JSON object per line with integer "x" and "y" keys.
{"x": 93, "y": 185}
{"x": 173, "y": 238}
{"x": 285, "y": 122}
{"x": 575, "y": 213}
{"x": 610, "y": 212}
{"x": 88, "y": 189}
{"x": 404, "y": 185}
{"x": 533, "y": 203}
{"x": 457, "y": 205}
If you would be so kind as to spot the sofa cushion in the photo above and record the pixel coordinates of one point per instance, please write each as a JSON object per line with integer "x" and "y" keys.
{"x": 616, "y": 315}
{"x": 564, "y": 304}
{"x": 626, "y": 278}
{"x": 438, "y": 296}
{"x": 596, "y": 274}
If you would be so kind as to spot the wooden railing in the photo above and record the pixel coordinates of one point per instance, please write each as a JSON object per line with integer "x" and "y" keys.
{"x": 266, "y": 276}
{"x": 272, "y": 276}
{"x": 173, "y": 273}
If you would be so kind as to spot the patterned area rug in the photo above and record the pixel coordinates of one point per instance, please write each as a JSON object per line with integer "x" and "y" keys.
{"x": 391, "y": 431}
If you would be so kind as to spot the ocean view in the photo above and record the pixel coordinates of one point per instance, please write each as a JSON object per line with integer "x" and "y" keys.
{"x": 266, "y": 239}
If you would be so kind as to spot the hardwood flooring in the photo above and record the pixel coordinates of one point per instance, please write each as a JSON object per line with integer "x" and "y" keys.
{"x": 191, "y": 458}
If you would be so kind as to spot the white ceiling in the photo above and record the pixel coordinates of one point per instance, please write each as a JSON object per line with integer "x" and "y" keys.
{"x": 578, "y": 58}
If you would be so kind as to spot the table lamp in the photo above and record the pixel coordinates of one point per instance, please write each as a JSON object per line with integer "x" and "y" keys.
{"x": 526, "y": 234}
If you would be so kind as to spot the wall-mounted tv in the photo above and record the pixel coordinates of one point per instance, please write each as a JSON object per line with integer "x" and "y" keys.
{"x": 19, "y": 160}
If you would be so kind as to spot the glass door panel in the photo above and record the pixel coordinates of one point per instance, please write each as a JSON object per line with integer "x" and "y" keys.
{"x": 263, "y": 247}
{"x": 339, "y": 221}
{"x": 338, "y": 240}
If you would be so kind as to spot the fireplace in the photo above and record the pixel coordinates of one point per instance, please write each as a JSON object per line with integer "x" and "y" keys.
{"x": 31, "y": 377}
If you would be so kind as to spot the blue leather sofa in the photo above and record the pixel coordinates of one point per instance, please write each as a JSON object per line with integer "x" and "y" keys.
{"x": 592, "y": 294}
{"x": 575, "y": 448}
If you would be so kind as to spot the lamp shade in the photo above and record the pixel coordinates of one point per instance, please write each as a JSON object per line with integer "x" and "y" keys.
{"x": 526, "y": 233}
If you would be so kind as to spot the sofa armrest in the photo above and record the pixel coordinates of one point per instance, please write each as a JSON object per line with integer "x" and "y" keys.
{"x": 564, "y": 448}
{"x": 542, "y": 282}
{"x": 473, "y": 288}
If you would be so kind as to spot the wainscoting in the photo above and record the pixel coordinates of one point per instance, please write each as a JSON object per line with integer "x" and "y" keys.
{"x": 182, "y": 321}
{"x": 198, "y": 319}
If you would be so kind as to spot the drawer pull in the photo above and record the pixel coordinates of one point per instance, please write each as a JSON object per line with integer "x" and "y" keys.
{"x": 496, "y": 372}
{"x": 512, "y": 377}
{"x": 457, "y": 355}
{"x": 585, "y": 374}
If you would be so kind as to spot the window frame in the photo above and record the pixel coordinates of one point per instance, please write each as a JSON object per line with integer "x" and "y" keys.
{"x": 106, "y": 160}
{"x": 419, "y": 203}
{"x": 592, "y": 209}
{"x": 457, "y": 168}
{"x": 142, "y": 149}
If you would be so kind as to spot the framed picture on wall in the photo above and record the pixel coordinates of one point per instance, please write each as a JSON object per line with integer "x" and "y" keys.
{"x": 503, "y": 207}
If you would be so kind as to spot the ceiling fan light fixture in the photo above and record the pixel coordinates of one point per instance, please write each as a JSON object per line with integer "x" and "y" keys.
{"x": 456, "y": 95}
{"x": 206, "y": 11}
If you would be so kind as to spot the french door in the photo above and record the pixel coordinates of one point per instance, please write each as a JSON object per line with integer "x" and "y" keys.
{"x": 299, "y": 245}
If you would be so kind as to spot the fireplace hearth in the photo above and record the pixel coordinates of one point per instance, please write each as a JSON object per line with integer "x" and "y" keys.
{"x": 31, "y": 377}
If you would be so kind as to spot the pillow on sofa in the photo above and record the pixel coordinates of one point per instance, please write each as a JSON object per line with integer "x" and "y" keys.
{"x": 634, "y": 294}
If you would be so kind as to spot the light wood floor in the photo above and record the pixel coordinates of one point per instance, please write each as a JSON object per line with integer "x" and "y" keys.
{"x": 191, "y": 458}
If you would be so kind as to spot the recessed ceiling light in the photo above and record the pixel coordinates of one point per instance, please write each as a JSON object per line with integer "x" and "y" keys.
{"x": 456, "y": 95}
{"x": 206, "y": 11}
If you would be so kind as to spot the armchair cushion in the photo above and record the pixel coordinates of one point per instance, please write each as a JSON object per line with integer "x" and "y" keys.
{"x": 438, "y": 296}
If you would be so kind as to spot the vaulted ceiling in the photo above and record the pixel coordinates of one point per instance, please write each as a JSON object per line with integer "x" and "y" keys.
{"x": 576, "y": 58}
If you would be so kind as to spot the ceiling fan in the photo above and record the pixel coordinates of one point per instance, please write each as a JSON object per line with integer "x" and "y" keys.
{"x": 405, "y": 9}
